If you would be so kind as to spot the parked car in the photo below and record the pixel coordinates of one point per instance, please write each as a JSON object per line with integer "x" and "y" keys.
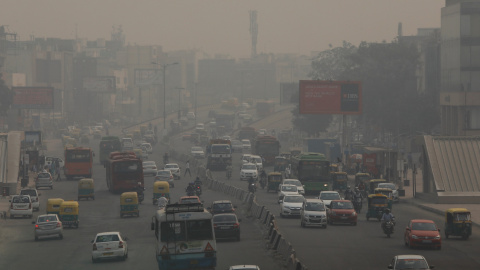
{"x": 48, "y": 225}
{"x": 21, "y": 205}
{"x": 33, "y": 193}
{"x": 221, "y": 207}
{"x": 109, "y": 245}
{"x": 409, "y": 262}
{"x": 44, "y": 179}
{"x": 291, "y": 205}
{"x": 422, "y": 233}
{"x": 248, "y": 170}
{"x": 341, "y": 211}
{"x": 174, "y": 168}
{"x": 165, "y": 175}
{"x": 295, "y": 182}
{"x": 328, "y": 196}
{"x": 313, "y": 213}
{"x": 197, "y": 152}
{"x": 226, "y": 226}
{"x": 149, "y": 167}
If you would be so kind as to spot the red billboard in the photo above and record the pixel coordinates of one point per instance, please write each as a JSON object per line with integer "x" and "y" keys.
{"x": 330, "y": 97}
{"x": 33, "y": 98}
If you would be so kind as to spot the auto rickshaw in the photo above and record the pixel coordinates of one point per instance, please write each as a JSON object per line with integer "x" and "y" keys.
{"x": 160, "y": 189}
{"x": 377, "y": 203}
{"x": 280, "y": 164}
{"x": 129, "y": 204}
{"x": 458, "y": 222}
{"x": 69, "y": 214}
{"x": 362, "y": 178}
{"x": 86, "y": 189}
{"x": 387, "y": 192}
{"x": 339, "y": 180}
{"x": 295, "y": 151}
{"x": 273, "y": 181}
{"x": 373, "y": 184}
{"x": 53, "y": 205}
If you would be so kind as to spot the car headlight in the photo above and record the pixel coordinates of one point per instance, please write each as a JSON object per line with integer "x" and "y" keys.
{"x": 354, "y": 213}
{"x": 437, "y": 237}
{"x": 414, "y": 236}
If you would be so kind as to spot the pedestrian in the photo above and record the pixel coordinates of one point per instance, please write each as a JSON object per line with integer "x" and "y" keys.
{"x": 59, "y": 177}
{"x": 187, "y": 168}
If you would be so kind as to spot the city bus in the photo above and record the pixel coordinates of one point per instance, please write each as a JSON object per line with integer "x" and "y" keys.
{"x": 78, "y": 162}
{"x": 313, "y": 170}
{"x": 268, "y": 147}
{"x": 124, "y": 171}
{"x": 185, "y": 238}
{"x": 108, "y": 144}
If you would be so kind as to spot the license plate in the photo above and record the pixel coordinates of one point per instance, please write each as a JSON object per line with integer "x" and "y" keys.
{"x": 224, "y": 227}
{"x": 107, "y": 253}
{"x": 426, "y": 241}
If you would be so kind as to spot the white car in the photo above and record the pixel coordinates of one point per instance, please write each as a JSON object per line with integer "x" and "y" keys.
{"x": 197, "y": 152}
{"x": 246, "y": 158}
{"x": 109, "y": 245}
{"x": 21, "y": 205}
{"x": 328, "y": 196}
{"x": 286, "y": 190}
{"x": 147, "y": 147}
{"x": 149, "y": 167}
{"x": 313, "y": 213}
{"x": 33, "y": 193}
{"x": 248, "y": 170}
{"x": 247, "y": 145}
{"x": 257, "y": 160}
{"x": 226, "y": 137}
{"x": 44, "y": 179}
{"x": 291, "y": 205}
{"x": 174, "y": 168}
{"x": 409, "y": 262}
{"x": 391, "y": 186}
{"x": 295, "y": 182}
{"x": 200, "y": 126}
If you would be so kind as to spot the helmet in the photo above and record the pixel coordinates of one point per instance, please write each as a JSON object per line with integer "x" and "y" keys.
{"x": 387, "y": 211}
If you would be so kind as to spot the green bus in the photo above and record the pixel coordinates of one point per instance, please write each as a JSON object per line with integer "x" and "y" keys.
{"x": 313, "y": 170}
{"x": 107, "y": 145}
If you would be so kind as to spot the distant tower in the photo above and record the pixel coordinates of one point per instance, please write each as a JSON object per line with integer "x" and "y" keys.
{"x": 400, "y": 31}
{"x": 253, "y": 31}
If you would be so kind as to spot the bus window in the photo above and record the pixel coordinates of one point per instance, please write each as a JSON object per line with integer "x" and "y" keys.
{"x": 125, "y": 167}
{"x": 78, "y": 156}
{"x": 172, "y": 231}
{"x": 199, "y": 230}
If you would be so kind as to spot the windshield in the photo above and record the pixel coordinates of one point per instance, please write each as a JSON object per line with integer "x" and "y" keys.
{"x": 423, "y": 226}
{"x": 222, "y": 206}
{"x": 148, "y": 163}
{"x": 30, "y": 192}
{"x": 249, "y": 167}
{"x": 224, "y": 218}
{"x": 293, "y": 199}
{"x": 221, "y": 149}
{"x": 341, "y": 205}
{"x": 314, "y": 169}
{"x": 43, "y": 175}
{"x": 330, "y": 196}
{"x": 245, "y": 142}
{"x": 387, "y": 185}
{"x": 291, "y": 182}
{"x": 78, "y": 156}
{"x": 186, "y": 230}
{"x": 411, "y": 264}
{"x": 289, "y": 188}
{"x": 314, "y": 206}
{"x": 126, "y": 167}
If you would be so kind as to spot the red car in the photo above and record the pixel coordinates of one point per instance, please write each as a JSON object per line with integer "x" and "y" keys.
{"x": 421, "y": 233}
{"x": 341, "y": 211}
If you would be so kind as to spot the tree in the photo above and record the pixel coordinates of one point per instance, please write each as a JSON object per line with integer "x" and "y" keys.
{"x": 6, "y": 97}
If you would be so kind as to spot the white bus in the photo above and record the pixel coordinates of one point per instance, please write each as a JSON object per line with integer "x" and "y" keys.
{"x": 185, "y": 237}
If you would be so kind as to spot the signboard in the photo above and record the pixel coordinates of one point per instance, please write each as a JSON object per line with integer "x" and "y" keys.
{"x": 100, "y": 84}
{"x": 33, "y": 98}
{"x": 33, "y": 137}
{"x": 146, "y": 76}
{"x": 330, "y": 97}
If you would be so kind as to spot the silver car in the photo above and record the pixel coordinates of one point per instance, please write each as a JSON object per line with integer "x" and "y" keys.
{"x": 149, "y": 167}
{"x": 48, "y": 225}
{"x": 165, "y": 175}
{"x": 44, "y": 179}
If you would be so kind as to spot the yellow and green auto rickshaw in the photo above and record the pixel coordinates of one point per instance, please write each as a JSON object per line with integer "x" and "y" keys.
{"x": 129, "y": 204}
{"x": 53, "y": 205}
{"x": 373, "y": 184}
{"x": 69, "y": 214}
{"x": 339, "y": 180}
{"x": 377, "y": 203}
{"x": 273, "y": 181}
{"x": 280, "y": 164}
{"x": 387, "y": 192}
{"x": 160, "y": 189}
{"x": 458, "y": 222}
{"x": 362, "y": 178}
{"x": 86, "y": 189}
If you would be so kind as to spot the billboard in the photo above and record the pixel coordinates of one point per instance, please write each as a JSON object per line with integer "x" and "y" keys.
{"x": 100, "y": 84}
{"x": 330, "y": 97}
{"x": 33, "y": 137}
{"x": 33, "y": 98}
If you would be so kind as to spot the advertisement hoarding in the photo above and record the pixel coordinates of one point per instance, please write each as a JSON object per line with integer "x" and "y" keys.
{"x": 33, "y": 137}
{"x": 100, "y": 84}
{"x": 330, "y": 97}
{"x": 33, "y": 98}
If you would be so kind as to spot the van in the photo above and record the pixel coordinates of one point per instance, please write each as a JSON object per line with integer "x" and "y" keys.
{"x": 21, "y": 205}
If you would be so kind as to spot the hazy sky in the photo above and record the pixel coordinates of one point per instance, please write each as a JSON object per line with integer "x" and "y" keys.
{"x": 222, "y": 26}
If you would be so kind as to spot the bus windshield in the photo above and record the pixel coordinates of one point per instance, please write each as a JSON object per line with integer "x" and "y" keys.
{"x": 126, "y": 167}
{"x": 221, "y": 149}
{"x": 189, "y": 230}
{"x": 78, "y": 156}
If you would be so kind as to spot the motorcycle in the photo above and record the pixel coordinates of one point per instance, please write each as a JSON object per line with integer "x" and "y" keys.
{"x": 357, "y": 204}
{"x": 198, "y": 190}
{"x": 252, "y": 188}
{"x": 141, "y": 196}
{"x": 190, "y": 192}
{"x": 388, "y": 228}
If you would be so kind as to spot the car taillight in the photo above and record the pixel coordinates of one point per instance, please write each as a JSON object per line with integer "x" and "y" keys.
{"x": 36, "y": 226}
{"x": 94, "y": 246}
{"x": 236, "y": 225}
{"x": 120, "y": 244}
{"x": 59, "y": 224}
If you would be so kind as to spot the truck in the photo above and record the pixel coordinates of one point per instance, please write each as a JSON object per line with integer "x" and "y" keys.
{"x": 108, "y": 144}
{"x": 248, "y": 133}
{"x": 219, "y": 154}
{"x": 268, "y": 147}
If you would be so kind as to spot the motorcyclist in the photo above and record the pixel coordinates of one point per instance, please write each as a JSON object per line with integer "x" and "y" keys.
{"x": 387, "y": 216}
{"x": 139, "y": 189}
{"x": 263, "y": 178}
{"x": 198, "y": 184}
{"x": 162, "y": 202}
{"x": 190, "y": 189}
{"x": 357, "y": 199}
{"x": 251, "y": 182}
{"x": 348, "y": 195}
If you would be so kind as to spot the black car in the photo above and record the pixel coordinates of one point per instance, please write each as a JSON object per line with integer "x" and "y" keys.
{"x": 221, "y": 207}
{"x": 226, "y": 226}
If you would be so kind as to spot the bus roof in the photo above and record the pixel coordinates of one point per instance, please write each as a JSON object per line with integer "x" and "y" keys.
{"x": 183, "y": 212}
